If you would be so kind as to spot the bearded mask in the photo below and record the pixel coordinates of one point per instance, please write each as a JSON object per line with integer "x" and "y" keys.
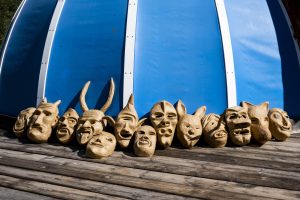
{"x": 189, "y": 127}
{"x": 23, "y": 121}
{"x": 145, "y": 141}
{"x": 66, "y": 125}
{"x": 102, "y": 145}
{"x": 214, "y": 131}
{"x": 163, "y": 117}
{"x": 280, "y": 124}
{"x": 126, "y": 123}
{"x": 91, "y": 122}
{"x": 259, "y": 121}
{"x": 42, "y": 121}
{"x": 238, "y": 124}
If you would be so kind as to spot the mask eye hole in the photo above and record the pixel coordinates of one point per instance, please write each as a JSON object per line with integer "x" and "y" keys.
{"x": 158, "y": 115}
{"x": 232, "y": 117}
{"x": 151, "y": 133}
{"x": 254, "y": 120}
{"x": 266, "y": 119}
{"x": 109, "y": 139}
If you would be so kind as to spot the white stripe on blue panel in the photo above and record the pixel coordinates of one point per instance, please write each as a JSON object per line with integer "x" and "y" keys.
{"x": 14, "y": 20}
{"x": 47, "y": 50}
{"x": 228, "y": 55}
{"x": 129, "y": 50}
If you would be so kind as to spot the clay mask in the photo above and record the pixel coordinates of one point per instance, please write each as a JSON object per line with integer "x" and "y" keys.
{"x": 102, "y": 145}
{"x": 43, "y": 119}
{"x": 65, "y": 126}
{"x": 22, "y": 122}
{"x": 126, "y": 123}
{"x": 214, "y": 131}
{"x": 238, "y": 124}
{"x": 280, "y": 125}
{"x": 189, "y": 127}
{"x": 145, "y": 141}
{"x": 163, "y": 117}
{"x": 91, "y": 122}
{"x": 259, "y": 121}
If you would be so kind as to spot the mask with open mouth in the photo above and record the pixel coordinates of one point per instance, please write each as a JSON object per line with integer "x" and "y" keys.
{"x": 163, "y": 117}
{"x": 280, "y": 124}
{"x": 91, "y": 122}
{"x": 259, "y": 121}
{"x": 238, "y": 124}
{"x": 66, "y": 125}
{"x": 145, "y": 141}
{"x": 102, "y": 145}
{"x": 22, "y": 122}
{"x": 189, "y": 127}
{"x": 214, "y": 131}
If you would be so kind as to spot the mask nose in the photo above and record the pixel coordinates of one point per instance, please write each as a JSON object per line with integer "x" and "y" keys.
{"x": 87, "y": 124}
{"x": 165, "y": 123}
{"x": 191, "y": 132}
{"x": 39, "y": 119}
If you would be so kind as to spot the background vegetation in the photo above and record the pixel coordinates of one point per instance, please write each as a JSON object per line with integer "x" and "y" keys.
{"x": 7, "y": 11}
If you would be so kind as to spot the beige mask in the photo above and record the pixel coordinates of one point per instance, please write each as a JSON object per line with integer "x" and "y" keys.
{"x": 189, "y": 127}
{"x": 23, "y": 121}
{"x": 214, "y": 130}
{"x": 42, "y": 121}
{"x": 280, "y": 124}
{"x": 91, "y": 122}
{"x": 66, "y": 125}
{"x": 145, "y": 141}
{"x": 163, "y": 117}
{"x": 102, "y": 145}
{"x": 259, "y": 121}
{"x": 238, "y": 124}
{"x": 126, "y": 123}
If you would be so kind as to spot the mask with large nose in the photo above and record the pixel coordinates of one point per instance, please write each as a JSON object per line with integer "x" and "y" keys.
{"x": 259, "y": 121}
{"x": 42, "y": 121}
{"x": 280, "y": 124}
{"x": 189, "y": 127}
{"x": 91, "y": 122}
{"x": 163, "y": 117}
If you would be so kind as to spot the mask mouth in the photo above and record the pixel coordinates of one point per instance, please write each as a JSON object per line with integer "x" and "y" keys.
{"x": 97, "y": 143}
{"x": 219, "y": 135}
{"x": 63, "y": 131}
{"x": 242, "y": 129}
{"x": 126, "y": 135}
{"x": 37, "y": 127}
{"x": 144, "y": 141}
{"x": 191, "y": 138}
{"x": 285, "y": 128}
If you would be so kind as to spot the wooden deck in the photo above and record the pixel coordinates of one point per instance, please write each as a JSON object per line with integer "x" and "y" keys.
{"x": 47, "y": 171}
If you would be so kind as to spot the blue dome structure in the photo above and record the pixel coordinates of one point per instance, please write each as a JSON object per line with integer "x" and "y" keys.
{"x": 209, "y": 52}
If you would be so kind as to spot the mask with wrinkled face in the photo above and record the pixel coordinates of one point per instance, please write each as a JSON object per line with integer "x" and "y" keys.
{"x": 22, "y": 122}
{"x": 280, "y": 124}
{"x": 189, "y": 127}
{"x": 214, "y": 130}
{"x": 66, "y": 125}
{"x": 238, "y": 124}
{"x": 102, "y": 145}
{"x": 145, "y": 141}
{"x": 89, "y": 124}
{"x": 163, "y": 117}
{"x": 259, "y": 121}
{"x": 43, "y": 120}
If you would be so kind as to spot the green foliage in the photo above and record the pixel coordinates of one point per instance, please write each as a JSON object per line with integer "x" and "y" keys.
{"x": 7, "y": 10}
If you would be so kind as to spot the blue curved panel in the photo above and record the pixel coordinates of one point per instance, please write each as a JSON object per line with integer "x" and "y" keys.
{"x": 88, "y": 45}
{"x": 22, "y": 59}
{"x": 255, "y": 50}
{"x": 179, "y": 55}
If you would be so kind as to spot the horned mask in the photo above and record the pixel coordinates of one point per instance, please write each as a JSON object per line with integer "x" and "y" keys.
{"x": 238, "y": 124}
{"x": 43, "y": 120}
{"x": 189, "y": 127}
{"x": 259, "y": 121}
{"x": 66, "y": 126}
{"x": 214, "y": 131}
{"x": 91, "y": 122}
{"x": 145, "y": 141}
{"x": 163, "y": 117}
{"x": 22, "y": 122}
{"x": 126, "y": 124}
{"x": 280, "y": 124}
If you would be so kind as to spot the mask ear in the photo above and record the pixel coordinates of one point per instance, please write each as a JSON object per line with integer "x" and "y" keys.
{"x": 246, "y": 104}
{"x": 141, "y": 122}
{"x": 200, "y": 112}
{"x": 265, "y": 105}
{"x": 181, "y": 109}
{"x": 108, "y": 119}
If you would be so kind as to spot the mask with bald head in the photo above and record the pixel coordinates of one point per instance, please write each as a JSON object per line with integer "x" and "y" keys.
{"x": 280, "y": 124}
{"x": 102, "y": 145}
{"x": 145, "y": 141}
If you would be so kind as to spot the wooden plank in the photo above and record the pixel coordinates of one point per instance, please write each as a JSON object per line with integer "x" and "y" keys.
{"x": 11, "y": 194}
{"x": 54, "y": 191}
{"x": 86, "y": 185}
{"x": 156, "y": 181}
